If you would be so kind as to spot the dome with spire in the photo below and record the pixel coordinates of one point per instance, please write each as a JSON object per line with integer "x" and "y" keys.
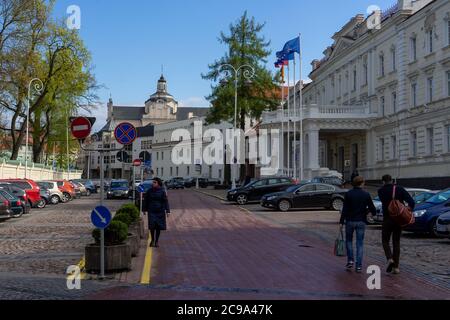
{"x": 161, "y": 93}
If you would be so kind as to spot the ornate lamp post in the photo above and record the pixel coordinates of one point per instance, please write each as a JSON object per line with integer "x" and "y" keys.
{"x": 38, "y": 87}
{"x": 229, "y": 71}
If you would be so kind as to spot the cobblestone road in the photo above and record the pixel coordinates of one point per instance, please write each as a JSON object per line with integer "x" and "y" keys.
{"x": 36, "y": 250}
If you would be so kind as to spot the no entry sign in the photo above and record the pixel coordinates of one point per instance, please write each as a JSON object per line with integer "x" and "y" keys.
{"x": 137, "y": 163}
{"x": 81, "y": 128}
{"x": 125, "y": 133}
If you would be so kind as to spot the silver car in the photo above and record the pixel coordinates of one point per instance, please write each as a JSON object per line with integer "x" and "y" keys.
{"x": 443, "y": 225}
{"x": 56, "y": 196}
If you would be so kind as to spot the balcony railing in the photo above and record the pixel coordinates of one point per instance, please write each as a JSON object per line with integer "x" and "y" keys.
{"x": 320, "y": 112}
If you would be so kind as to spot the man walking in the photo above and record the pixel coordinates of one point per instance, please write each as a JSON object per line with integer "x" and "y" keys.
{"x": 390, "y": 228}
{"x": 357, "y": 204}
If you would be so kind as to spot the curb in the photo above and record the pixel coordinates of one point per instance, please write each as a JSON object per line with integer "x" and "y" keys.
{"x": 223, "y": 199}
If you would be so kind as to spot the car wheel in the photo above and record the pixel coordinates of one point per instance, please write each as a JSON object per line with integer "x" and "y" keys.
{"x": 337, "y": 204}
{"x": 284, "y": 206}
{"x": 18, "y": 215}
{"x": 66, "y": 197}
{"x": 41, "y": 204}
{"x": 432, "y": 229}
{"x": 88, "y": 193}
{"x": 54, "y": 199}
{"x": 242, "y": 199}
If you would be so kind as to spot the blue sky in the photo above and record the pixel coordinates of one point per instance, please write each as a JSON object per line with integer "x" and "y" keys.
{"x": 130, "y": 40}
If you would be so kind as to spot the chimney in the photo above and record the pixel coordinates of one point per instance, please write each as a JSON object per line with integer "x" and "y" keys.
{"x": 315, "y": 64}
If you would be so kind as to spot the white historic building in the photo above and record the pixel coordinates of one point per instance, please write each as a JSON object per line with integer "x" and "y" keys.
{"x": 159, "y": 109}
{"x": 379, "y": 101}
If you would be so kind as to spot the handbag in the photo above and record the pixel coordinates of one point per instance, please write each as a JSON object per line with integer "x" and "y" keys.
{"x": 339, "y": 245}
{"x": 400, "y": 213}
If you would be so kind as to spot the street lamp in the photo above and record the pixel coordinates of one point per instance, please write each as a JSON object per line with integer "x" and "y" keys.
{"x": 230, "y": 71}
{"x": 38, "y": 87}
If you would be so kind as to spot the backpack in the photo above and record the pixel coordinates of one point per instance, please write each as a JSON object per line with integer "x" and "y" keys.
{"x": 400, "y": 213}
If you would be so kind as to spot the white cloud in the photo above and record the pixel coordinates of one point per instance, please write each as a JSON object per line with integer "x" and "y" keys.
{"x": 194, "y": 102}
{"x": 101, "y": 113}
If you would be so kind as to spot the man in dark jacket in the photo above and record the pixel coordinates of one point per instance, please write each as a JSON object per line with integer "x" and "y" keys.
{"x": 357, "y": 204}
{"x": 390, "y": 228}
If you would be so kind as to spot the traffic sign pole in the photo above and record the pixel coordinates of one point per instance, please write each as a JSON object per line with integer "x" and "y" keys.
{"x": 142, "y": 181}
{"x": 134, "y": 184}
{"x": 102, "y": 231}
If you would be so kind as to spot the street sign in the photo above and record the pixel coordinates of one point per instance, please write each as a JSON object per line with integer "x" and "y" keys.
{"x": 125, "y": 133}
{"x": 101, "y": 217}
{"x": 137, "y": 163}
{"x": 148, "y": 164}
{"x": 81, "y": 128}
{"x": 141, "y": 189}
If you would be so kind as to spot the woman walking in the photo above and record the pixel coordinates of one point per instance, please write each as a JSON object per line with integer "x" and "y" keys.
{"x": 157, "y": 207}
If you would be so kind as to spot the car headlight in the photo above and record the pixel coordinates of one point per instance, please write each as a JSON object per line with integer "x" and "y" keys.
{"x": 419, "y": 213}
{"x": 271, "y": 198}
{"x": 233, "y": 192}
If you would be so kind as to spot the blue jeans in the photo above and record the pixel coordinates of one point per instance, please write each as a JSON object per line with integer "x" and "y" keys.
{"x": 360, "y": 228}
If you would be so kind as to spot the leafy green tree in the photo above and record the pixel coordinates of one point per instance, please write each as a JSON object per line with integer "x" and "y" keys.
{"x": 246, "y": 46}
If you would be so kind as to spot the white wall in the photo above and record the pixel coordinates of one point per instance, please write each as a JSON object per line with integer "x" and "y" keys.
{"x": 12, "y": 171}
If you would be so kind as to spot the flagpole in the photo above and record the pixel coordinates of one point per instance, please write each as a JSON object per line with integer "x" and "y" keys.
{"x": 282, "y": 119}
{"x": 295, "y": 125}
{"x": 289, "y": 120}
{"x": 301, "y": 111}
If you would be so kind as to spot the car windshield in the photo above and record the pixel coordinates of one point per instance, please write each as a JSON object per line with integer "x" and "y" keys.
{"x": 119, "y": 184}
{"x": 45, "y": 185}
{"x": 440, "y": 197}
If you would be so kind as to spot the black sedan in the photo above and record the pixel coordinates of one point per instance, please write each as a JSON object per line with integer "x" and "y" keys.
{"x": 255, "y": 190}
{"x": 312, "y": 195}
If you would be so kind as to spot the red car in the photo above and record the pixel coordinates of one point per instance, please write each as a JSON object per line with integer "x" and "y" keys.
{"x": 31, "y": 189}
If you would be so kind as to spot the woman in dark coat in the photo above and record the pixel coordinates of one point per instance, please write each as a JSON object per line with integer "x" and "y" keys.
{"x": 156, "y": 206}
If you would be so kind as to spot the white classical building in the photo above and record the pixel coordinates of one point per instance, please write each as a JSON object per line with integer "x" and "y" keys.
{"x": 159, "y": 109}
{"x": 379, "y": 101}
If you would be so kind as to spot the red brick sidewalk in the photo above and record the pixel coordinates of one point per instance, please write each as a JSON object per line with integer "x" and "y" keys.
{"x": 216, "y": 251}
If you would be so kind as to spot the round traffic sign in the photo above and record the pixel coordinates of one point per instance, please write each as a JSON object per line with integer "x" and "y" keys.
{"x": 101, "y": 217}
{"x": 141, "y": 189}
{"x": 137, "y": 163}
{"x": 125, "y": 133}
{"x": 81, "y": 128}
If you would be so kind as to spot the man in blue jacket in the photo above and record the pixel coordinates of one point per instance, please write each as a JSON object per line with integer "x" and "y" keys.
{"x": 390, "y": 228}
{"x": 357, "y": 204}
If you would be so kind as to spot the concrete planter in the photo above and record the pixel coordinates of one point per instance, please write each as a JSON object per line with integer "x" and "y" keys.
{"x": 134, "y": 242}
{"x": 117, "y": 258}
{"x": 138, "y": 228}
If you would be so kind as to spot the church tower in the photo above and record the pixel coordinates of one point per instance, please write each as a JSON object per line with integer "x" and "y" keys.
{"x": 162, "y": 85}
{"x": 161, "y": 107}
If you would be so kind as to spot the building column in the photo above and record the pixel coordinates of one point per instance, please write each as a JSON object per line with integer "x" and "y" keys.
{"x": 313, "y": 149}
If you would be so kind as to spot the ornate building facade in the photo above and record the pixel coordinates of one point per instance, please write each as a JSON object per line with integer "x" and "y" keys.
{"x": 379, "y": 101}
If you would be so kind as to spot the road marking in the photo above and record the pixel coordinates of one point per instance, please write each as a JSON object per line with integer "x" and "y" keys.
{"x": 145, "y": 277}
{"x": 245, "y": 210}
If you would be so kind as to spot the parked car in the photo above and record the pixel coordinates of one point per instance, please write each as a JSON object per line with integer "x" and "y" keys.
{"x": 5, "y": 209}
{"x": 45, "y": 198}
{"x": 334, "y": 181}
{"x": 67, "y": 190}
{"x": 31, "y": 188}
{"x": 311, "y": 195}
{"x": 427, "y": 213}
{"x": 257, "y": 189}
{"x": 214, "y": 182}
{"x": 89, "y": 185}
{"x": 419, "y": 196}
{"x": 83, "y": 190}
{"x": 17, "y": 205}
{"x": 56, "y": 196}
{"x": 19, "y": 193}
{"x": 175, "y": 184}
{"x": 119, "y": 189}
{"x": 443, "y": 225}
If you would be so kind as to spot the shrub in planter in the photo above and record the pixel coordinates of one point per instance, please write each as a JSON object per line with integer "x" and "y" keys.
{"x": 115, "y": 234}
{"x": 131, "y": 210}
{"x": 123, "y": 217}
